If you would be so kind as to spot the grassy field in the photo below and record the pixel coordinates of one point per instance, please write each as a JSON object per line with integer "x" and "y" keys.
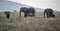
{"x": 37, "y": 23}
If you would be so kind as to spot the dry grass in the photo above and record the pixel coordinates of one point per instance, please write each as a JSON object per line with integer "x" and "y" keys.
{"x": 37, "y": 23}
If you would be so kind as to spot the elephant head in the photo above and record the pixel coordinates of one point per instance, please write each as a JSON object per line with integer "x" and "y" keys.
{"x": 22, "y": 9}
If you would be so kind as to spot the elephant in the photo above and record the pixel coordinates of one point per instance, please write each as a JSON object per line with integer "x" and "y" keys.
{"x": 29, "y": 14}
{"x": 7, "y": 13}
{"x": 49, "y": 13}
{"x": 26, "y": 10}
{"x": 53, "y": 15}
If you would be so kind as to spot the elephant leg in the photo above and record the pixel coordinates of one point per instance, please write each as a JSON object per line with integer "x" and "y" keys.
{"x": 53, "y": 15}
{"x": 44, "y": 14}
{"x": 33, "y": 14}
{"x": 7, "y": 16}
{"x": 50, "y": 15}
{"x": 25, "y": 15}
{"x": 47, "y": 15}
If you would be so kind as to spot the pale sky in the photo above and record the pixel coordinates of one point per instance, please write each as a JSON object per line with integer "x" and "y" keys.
{"x": 54, "y": 4}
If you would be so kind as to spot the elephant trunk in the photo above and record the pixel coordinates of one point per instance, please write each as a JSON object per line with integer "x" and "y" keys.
{"x": 44, "y": 14}
{"x": 20, "y": 13}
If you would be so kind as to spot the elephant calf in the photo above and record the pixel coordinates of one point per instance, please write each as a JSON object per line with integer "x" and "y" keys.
{"x": 7, "y": 13}
{"x": 29, "y": 14}
{"x": 53, "y": 15}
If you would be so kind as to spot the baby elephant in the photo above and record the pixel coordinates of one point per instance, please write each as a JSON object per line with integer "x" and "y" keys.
{"x": 7, "y": 13}
{"x": 29, "y": 14}
{"x": 53, "y": 15}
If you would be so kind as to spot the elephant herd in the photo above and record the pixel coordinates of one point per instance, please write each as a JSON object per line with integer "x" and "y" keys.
{"x": 31, "y": 12}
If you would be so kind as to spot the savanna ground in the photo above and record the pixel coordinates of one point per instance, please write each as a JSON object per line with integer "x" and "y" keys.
{"x": 37, "y": 23}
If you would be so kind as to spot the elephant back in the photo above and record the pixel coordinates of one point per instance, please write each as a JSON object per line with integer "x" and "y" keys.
{"x": 31, "y": 10}
{"x": 7, "y": 12}
{"x": 48, "y": 10}
{"x": 23, "y": 9}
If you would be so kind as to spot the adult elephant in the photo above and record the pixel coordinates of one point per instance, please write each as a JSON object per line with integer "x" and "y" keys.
{"x": 7, "y": 13}
{"x": 26, "y": 11}
{"x": 49, "y": 13}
